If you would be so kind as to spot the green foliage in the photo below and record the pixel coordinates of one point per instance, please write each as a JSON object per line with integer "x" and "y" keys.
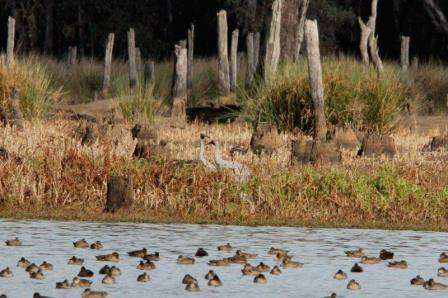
{"x": 351, "y": 97}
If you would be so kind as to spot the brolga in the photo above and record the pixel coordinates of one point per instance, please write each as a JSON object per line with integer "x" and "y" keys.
{"x": 208, "y": 165}
{"x": 239, "y": 169}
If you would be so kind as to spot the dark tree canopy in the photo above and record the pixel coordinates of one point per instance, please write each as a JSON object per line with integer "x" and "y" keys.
{"x": 51, "y": 26}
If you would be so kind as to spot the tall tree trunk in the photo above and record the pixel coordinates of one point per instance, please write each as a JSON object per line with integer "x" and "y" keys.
{"x": 179, "y": 101}
{"x": 234, "y": 61}
{"x": 49, "y": 25}
{"x": 364, "y": 42}
{"x": 256, "y": 50}
{"x": 11, "y": 41}
{"x": 190, "y": 57}
{"x": 250, "y": 68}
{"x": 272, "y": 55}
{"x": 289, "y": 22}
{"x": 373, "y": 40}
{"x": 223, "y": 66}
{"x": 303, "y": 9}
{"x": 133, "y": 75}
{"x": 315, "y": 77}
{"x": 404, "y": 57}
{"x": 108, "y": 63}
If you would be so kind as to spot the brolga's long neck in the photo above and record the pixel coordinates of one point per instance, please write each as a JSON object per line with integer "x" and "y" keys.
{"x": 218, "y": 158}
{"x": 202, "y": 149}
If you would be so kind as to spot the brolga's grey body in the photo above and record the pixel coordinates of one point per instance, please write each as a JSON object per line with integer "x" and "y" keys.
{"x": 239, "y": 169}
{"x": 208, "y": 165}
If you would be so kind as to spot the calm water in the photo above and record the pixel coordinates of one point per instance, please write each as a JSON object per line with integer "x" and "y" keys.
{"x": 322, "y": 251}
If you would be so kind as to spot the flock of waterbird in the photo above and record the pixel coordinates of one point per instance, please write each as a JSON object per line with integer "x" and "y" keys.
{"x": 147, "y": 262}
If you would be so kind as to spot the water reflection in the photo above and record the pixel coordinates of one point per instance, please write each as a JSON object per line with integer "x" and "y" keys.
{"x": 322, "y": 251}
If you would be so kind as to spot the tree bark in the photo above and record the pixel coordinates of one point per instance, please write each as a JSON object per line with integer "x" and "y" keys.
{"x": 256, "y": 50}
{"x": 272, "y": 55}
{"x": 303, "y": 9}
{"x": 133, "y": 76}
{"x": 108, "y": 63}
{"x": 138, "y": 62}
{"x": 190, "y": 57}
{"x": 72, "y": 55}
{"x": 11, "y": 40}
{"x": 234, "y": 61}
{"x": 405, "y": 40}
{"x": 49, "y": 26}
{"x": 373, "y": 40}
{"x": 315, "y": 77}
{"x": 179, "y": 102}
{"x": 223, "y": 67}
{"x": 364, "y": 42}
{"x": 250, "y": 70}
{"x": 149, "y": 72}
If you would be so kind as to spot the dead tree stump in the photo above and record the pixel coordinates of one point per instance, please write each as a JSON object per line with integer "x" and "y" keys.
{"x": 10, "y": 42}
{"x": 223, "y": 66}
{"x": 149, "y": 72}
{"x": 404, "y": 57}
{"x": 375, "y": 144}
{"x": 120, "y": 193}
{"x": 179, "y": 102}
{"x": 108, "y": 63}
{"x": 234, "y": 61}
{"x": 133, "y": 74}
{"x": 72, "y": 55}
{"x": 376, "y": 59}
{"x": 256, "y": 50}
{"x": 272, "y": 55}
{"x": 364, "y": 42}
{"x": 301, "y": 28}
{"x": 190, "y": 57}
{"x": 250, "y": 69}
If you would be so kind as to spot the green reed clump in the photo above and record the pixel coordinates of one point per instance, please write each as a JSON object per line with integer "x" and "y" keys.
{"x": 351, "y": 97}
{"x": 34, "y": 85}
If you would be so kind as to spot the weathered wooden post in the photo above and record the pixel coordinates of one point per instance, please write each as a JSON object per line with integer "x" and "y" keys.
{"x": 256, "y": 50}
{"x": 183, "y": 43}
{"x": 273, "y": 41}
{"x": 72, "y": 55}
{"x": 404, "y": 57}
{"x": 364, "y": 42}
{"x": 108, "y": 63}
{"x": 190, "y": 57}
{"x": 10, "y": 42}
{"x": 149, "y": 72}
{"x": 250, "y": 69}
{"x": 138, "y": 62}
{"x": 315, "y": 77}
{"x": 223, "y": 66}
{"x": 179, "y": 102}
{"x": 133, "y": 75}
{"x": 234, "y": 61}
{"x": 301, "y": 28}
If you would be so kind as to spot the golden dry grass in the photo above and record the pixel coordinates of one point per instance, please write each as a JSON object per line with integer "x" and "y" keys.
{"x": 52, "y": 176}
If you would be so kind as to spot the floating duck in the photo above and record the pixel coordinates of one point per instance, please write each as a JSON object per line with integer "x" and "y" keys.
{"x": 13, "y": 242}
{"x": 114, "y": 271}
{"x": 291, "y": 264}
{"x": 32, "y": 268}
{"x": 113, "y": 257}
{"x": 46, "y": 266}
{"x": 183, "y": 260}
{"x": 63, "y": 285}
{"x": 23, "y": 263}
{"x": 152, "y": 257}
{"x": 138, "y": 253}
{"x": 276, "y": 270}
{"x": 148, "y": 265}
{"x": 81, "y": 243}
{"x": 262, "y": 267}
{"x": 279, "y": 257}
{"x": 143, "y": 277}
{"x": 237, "y": 260}
{"x": 358, "y": 253}
{"x": 104, "y": 270}
{"x": 442, "y": 272}
{"x": 215, "y": 281}
{"x": 225, "y": 247}
{"x": 356, "y": 268}
{"x": 353, "y": 285}
{"x": 188, "y": 279}
{"x": 274, "y": 251}
{"x": 260, "y": 279}
{"x": 108, "y": 280}
{"x": 37, "y": 295}
{"x": 443, "y": 257}
{"x": 340, "y": 275}
{"x": 209, "y": 275}
{"x": 248, "y": 269}
{"x": 370, "y": 260}
{"x": 75, "y": 261}
{"x": 248, "y": 255}
{"x": 398, "y": 264}
{"x": 386, "y": 255}
{"x": 201, "y": 253}
{"x": 96, "y": 245}
{"x": 417, "y": 281}
{"x": 88, "y": 293}
{"x": 84, "y": 272}
{"x": 37, "y": 275}
{"x": 192, "y": 287}
{"x": 433, "y": 285}
{"x": 220, "y": 262}
{"x": 80, "y": 282}
{"x": 6, "y": 273}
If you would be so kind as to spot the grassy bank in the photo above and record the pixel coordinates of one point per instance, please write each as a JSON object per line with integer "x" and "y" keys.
{"x": 52, "y": 176}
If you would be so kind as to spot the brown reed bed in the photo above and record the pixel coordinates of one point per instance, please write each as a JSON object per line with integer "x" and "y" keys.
{"x": 50, "y": 175}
